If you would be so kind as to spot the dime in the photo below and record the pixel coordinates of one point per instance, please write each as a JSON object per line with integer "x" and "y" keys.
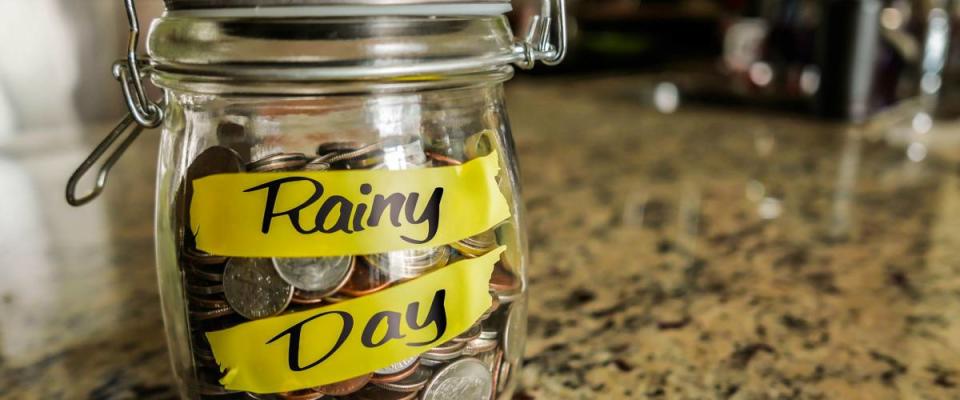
{"x": 322, "y": 275}
{"x": 411, "y": 384}
{"x": 346, "y": 387}
{"x": 397, "y": 366}
{"x": 463, "y": 379}
{"x": 254, "y": 289}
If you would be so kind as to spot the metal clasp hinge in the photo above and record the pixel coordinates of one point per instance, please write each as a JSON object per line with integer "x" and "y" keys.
{"x": 546, "y": 40}
{"x": 143, "y": 113}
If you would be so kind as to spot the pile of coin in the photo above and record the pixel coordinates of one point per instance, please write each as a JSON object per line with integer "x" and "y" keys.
{"x": 222, "y": 292}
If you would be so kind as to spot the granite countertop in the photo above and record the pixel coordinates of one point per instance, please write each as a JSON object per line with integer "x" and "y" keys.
{"x": 710, "y": 253}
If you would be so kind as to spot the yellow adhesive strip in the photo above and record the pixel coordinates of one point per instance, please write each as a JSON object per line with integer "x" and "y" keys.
{"x": 356, "y": 337}
{"x": 329, "y": 213}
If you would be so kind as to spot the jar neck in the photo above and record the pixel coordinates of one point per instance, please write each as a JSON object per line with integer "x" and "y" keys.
{"x": 239, "y": 86}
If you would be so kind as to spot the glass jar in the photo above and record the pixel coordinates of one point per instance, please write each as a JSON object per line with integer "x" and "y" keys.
{"x": 337, "y": 199}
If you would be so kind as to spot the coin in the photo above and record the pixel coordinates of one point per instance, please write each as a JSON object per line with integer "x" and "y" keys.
{"x": 278, "y": 162}
{"x": 207, "y": 302}
{"x": 322, "y": 275}
{"x": 397, "y": 366}
{"x": 416, "y": 381}
{"x": 478, "y": 346}
{"x": 441, "y": 160}
{"x": 194, "y": 256}
{"x": 371, "y": 392}
{"x": 213, "y": 160}
{"x": 204, "y": 290}
{"x": 505, "y": 284}
{"x": 463, "y": 379}
{"x": 346, "y": 387}
{"x": 210, "y": 314}
{"x": 304, "y": 394}
{"x": 317, "y": 164}
{"x": 363, "y": 281}
{"x": 212, "y": 274}
{"x": 338, "y": 147}
{"x": 302, "y": 297}
{"x": 396, "y": 376}
{"x": 477, "y": 245}
{"x": 496, "y": 368}
{"x": 254, "y": 289}
{"x": 406, "y": 264}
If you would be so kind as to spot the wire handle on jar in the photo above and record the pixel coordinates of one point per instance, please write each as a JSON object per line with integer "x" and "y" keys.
{"x": 538, "y": 44}
{"x": 143, "y": 113}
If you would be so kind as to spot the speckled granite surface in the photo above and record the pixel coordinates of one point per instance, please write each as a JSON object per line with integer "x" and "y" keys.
{"x": 706, "y": 254}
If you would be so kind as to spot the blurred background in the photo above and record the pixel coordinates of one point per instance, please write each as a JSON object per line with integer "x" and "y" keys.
{"x": 832, "y": 59}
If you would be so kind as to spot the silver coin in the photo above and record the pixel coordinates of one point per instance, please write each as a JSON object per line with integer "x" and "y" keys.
{"x": 426, "y": 362}
{"x": 397, "y": 366}
{"x": 478, "y": 346}
{"x": 406, "y": 264}
{"x": 323, "y": 275}
{"x": 254, "y": 289}
{"x": 464, "y": 379}
{"x": 412, "y": 383}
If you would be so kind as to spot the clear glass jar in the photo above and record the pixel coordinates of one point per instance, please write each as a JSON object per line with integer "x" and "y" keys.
{"x": 337, "y": 198}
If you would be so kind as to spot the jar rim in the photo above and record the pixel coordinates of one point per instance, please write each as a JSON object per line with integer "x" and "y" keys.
{"x": 330, "y": 48}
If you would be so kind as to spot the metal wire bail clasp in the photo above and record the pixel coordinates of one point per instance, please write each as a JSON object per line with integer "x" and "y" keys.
{"x": 143, "y": 113}
{"x": 546, "y": 40}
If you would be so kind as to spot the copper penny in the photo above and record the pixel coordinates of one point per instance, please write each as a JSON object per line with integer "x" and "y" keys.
{"x": 443, "y": 160}
{"x": 364, "y": 280}
{"x": 399, "y": 376}
{"x": 503, "y": 281}
{"x": 346, "y": 387}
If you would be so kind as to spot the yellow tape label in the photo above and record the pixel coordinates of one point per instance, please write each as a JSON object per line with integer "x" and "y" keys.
{"x": 355, "y": 337}
{"x": 330, "y": 213}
